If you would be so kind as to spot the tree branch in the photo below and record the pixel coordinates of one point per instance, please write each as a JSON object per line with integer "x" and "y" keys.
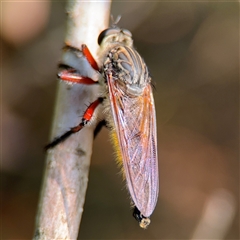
{"x": 67, "y": 166}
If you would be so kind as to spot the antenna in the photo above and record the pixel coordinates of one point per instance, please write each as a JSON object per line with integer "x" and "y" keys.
{"x": 115, "y": 22}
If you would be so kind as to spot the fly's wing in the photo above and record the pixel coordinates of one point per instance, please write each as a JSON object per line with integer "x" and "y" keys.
{"x": 135, "y": 125}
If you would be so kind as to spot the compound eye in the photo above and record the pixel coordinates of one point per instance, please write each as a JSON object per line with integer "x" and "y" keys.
{"x": 127, "y": 32}
{"x": 107, "y": 32}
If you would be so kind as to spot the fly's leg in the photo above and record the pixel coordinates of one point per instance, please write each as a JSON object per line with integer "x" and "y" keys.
{"x": 79, "y": 64}
{"x": 82, "y": 63}
{"x": 70, "y": 75}
{"x": 98, "y": 128}
{"x": 89, "y": 57}
{"x": 85, "y": 51}
{"x": 88, "y": 114}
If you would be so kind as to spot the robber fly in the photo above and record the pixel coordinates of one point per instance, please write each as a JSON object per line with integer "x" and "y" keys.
{"x": 128, "y": 106}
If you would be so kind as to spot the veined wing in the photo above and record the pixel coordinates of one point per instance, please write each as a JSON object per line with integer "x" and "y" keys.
{"x": 135, "y": 125}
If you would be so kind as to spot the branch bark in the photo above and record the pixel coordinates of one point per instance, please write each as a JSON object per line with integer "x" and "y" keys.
{"x": 67, "y": 165}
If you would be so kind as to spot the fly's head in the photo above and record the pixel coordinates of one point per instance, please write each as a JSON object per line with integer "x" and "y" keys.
{"x": 115, "y": 35}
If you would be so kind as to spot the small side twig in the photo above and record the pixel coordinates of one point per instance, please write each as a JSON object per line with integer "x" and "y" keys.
{"x": 66, "y": 173}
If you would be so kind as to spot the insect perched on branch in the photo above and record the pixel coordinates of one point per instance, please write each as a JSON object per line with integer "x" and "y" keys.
{"x": 126, "y": 103}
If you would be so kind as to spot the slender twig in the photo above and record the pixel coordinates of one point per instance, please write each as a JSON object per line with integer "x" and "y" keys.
{"x": 67, "y": 166}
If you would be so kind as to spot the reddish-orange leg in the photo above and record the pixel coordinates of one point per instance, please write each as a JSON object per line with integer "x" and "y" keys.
{"x": 89, "y": 57}
{"x": 86, "y": 118}
{"x": 71, "y": 75}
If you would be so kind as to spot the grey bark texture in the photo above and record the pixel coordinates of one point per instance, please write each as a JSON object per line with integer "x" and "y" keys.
{"x": 67, "y": 165}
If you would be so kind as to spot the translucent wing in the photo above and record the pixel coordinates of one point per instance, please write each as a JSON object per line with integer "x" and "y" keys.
{"x": 135, "y": 126}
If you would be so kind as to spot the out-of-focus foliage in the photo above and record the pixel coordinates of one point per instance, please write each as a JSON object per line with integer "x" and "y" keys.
{"x": 192, "y": 50}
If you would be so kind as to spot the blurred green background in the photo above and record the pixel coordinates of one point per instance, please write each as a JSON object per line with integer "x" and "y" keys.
{"x": 192, "y": 50}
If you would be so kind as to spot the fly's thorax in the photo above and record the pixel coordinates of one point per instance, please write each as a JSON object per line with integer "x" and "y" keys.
{"x": 127, "y": 68}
